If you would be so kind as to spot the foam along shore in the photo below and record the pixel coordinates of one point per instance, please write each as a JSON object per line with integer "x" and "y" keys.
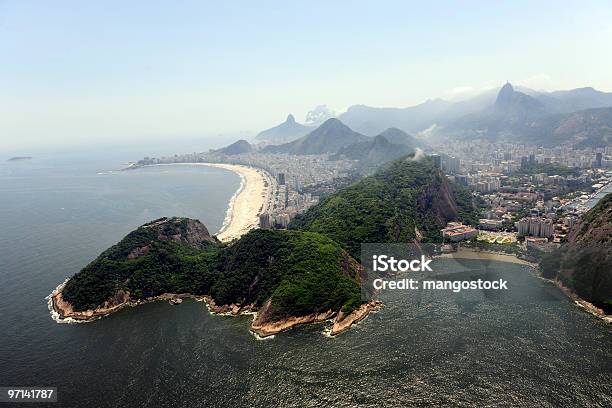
{"x": 62, "y": 312}
{"x": 340, "y": 320}
{"x": 471, "y": 253}
{"x": 249, "y": 201}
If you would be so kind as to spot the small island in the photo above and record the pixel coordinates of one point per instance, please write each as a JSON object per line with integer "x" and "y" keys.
{"x": 20, "y": 158}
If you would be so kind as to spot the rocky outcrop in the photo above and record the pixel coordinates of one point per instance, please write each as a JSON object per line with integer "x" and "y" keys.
{"x": 264, "y": 326}
{"x": 65, "y": 310}
{"x": 186, "y": 230}
{"x": 343, "y": 321}
{"x": 584, "y": 264}
{"x": 439, "y": 198}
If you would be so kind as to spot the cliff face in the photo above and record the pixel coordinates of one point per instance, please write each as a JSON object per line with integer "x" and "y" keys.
{"x": 440, "y": 200}
{"x": 595, "y": 226}
{"x": 584, "y": 263}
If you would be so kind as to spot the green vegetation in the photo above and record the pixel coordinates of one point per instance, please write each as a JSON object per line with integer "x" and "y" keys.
{"x": 310, "y": 268}
{"x": 301, "y": 272}
{"x": 584, "y": 263}
{"x": 390, "y": 206}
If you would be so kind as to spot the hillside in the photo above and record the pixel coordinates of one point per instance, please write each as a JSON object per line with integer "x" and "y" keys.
{"x": 284, "y": 273}
{"x": 537, "y": 119}
{"x": 330, "y": 137}
{"x": 239, "y": 147}
{"x": 373, "y": 120}
{"x": 572, "y": 116}
{"x": 584, "y": 263}
{"x": 407, "y": 200}
{"x": 287, "y": 131}
{"x": 373, "y": 153}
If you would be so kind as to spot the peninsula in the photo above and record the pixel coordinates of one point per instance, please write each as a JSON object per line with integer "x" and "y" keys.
{"x": 309, "y": 273}
{"x": 287, "y": 277}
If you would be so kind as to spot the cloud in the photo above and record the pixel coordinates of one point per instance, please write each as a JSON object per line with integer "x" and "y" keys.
{"x": 461, "y": 90}
{"x": 418, "y": 155}
{"x": 426, "y": 133}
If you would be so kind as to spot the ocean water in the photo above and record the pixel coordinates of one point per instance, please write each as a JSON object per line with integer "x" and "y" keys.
{"x": 527, "y": 347}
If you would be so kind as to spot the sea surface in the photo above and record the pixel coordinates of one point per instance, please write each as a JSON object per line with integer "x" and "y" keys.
{"x": 526, "y": 347}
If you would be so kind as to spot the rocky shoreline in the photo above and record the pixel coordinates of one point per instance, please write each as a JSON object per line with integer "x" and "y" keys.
{"x": 260, "y": 324}
{"x": 578, "y": 301}
{"x": 66, "y": 313}
{"x": 470, "y": 253}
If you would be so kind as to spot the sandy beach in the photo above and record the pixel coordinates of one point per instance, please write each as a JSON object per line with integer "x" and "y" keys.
{"x": 247, "y": 203}
{"x": 470, "y": 253}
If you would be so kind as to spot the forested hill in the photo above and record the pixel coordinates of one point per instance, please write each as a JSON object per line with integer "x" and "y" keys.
{"x": 405, "y": 200}
{"x": 584, "y": 263}
{"x": 299, "y": 273}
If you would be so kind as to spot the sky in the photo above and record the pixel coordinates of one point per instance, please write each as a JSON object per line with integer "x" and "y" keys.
{"x": 85, "y": 73}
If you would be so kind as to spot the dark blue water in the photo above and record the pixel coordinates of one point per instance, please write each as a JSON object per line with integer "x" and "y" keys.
{"x": 528, "y": 347}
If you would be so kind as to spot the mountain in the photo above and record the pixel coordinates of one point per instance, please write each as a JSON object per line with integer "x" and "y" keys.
{"x": 587, "y": 128}
{"x": 584, "y": 263}
{"x": 512, "y": 105}
{"x": 292, "y": 275}
{"x": 375, "y": 152}
{"x": 239, "y": 147}
{"x": 287, "y": 131}
{"x": 504, "y": 114}
{"x": 574, "y": 100}
{"x": 330, "y": 137}
{"x": 516, "y": 116}
{"x": 407, "y": 200}
{"x": 511, "y": 111}
{"x": 372, "y": 121}
{"x": 399, "y": 137}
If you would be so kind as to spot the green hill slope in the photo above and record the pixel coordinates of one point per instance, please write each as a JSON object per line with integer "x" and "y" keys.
{"x": 299, "y": 272}
{"x": 406, "y": 200}
{"x": 584, "y": 263}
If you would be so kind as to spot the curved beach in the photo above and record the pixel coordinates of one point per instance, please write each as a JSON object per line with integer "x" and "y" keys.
{"x": 249, "y": 201}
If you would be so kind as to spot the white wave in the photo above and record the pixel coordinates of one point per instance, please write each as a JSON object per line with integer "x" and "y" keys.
{"x": 55, "y": 315}
{"x": 230, "y": 209}
{"x": 260, "y": 338}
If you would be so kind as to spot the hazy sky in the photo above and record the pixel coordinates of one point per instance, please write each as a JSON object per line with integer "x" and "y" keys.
{"x": 90, "y": 72}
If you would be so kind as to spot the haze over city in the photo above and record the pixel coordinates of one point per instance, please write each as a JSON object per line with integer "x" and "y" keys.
{"x": 86, "y": 74}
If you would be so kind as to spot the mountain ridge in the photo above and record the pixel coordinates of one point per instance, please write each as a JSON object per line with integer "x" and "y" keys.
{"x": 329, "y": 137}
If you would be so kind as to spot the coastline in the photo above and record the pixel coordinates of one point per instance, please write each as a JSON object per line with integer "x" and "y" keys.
{"x": 471, "y": 253}
{"x": 62, "y": 312}
{"x": 247, "y": 203}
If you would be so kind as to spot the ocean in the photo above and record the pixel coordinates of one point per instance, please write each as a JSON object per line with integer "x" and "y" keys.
{"x": 528, "y": 347}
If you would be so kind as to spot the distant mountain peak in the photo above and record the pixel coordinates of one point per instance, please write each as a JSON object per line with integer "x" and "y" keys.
{"x": 287, "y": 131}
{"x": 504, "y": 97}
{"x": 239, "y": 147}
{"x": 332, "y": 123}
{"x": 330, "y": 137}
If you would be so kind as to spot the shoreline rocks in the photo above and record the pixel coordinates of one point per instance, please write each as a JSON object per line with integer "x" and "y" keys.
{"x": 260, "y": 324}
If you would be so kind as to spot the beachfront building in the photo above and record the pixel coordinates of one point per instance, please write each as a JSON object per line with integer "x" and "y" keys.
{"x": 456, "y": 231}
{"x": 535, "y": 227}
{"x": 490, "y": 224}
